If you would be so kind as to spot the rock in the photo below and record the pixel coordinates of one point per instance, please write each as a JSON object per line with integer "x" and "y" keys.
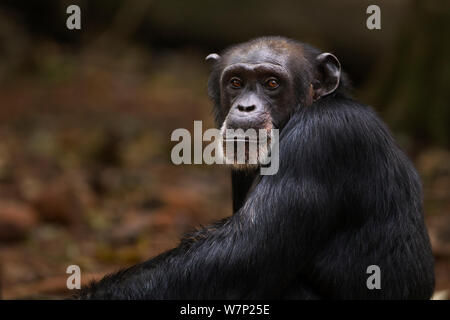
{"x": 441, "y": 295}
{"x": 16, "y": 220}
{"x": 60, "y": 202}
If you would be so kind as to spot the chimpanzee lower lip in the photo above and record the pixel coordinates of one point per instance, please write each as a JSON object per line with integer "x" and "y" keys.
{"x": 240, "y": 140}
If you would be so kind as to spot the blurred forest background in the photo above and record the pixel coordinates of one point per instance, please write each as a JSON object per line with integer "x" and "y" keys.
{"x": 86, "y": 117}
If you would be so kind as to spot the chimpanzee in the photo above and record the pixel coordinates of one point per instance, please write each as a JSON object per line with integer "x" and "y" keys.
{"x": 345, "y": 197}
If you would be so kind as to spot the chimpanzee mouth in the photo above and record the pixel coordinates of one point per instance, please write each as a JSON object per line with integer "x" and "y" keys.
{"x": 245, "y": 150}
{"x": 243, "y": 139}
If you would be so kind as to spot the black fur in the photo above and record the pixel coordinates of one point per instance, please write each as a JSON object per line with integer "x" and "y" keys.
{"x": 345, "y": 197}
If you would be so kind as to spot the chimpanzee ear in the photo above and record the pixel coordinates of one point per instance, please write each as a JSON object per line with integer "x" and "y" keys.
{"x": 328, "y": 73}
{"x": 212, "y": 57}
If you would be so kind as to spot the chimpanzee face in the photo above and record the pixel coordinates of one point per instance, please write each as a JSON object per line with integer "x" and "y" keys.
{"x": 260, "y": 86}
{"x": 256, "y": 93}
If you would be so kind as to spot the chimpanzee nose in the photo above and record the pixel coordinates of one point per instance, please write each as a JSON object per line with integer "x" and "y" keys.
{"x": 247, "y": 108}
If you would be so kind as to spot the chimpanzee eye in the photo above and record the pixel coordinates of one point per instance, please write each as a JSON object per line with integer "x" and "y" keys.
{"x": 272, "y": 83}
{"x": 236, "y": 83}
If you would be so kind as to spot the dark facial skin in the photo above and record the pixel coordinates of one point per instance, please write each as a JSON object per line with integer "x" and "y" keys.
{"x": 261, "y": 83}
{"x": 255, "y": 90}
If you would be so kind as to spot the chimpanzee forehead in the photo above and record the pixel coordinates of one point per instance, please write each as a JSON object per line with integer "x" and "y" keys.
{"x": 278, "y": 53}
{"x": 257, "y": 56}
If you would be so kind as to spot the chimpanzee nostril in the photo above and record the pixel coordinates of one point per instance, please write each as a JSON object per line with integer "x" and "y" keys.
{"x": 246, "y": 108}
